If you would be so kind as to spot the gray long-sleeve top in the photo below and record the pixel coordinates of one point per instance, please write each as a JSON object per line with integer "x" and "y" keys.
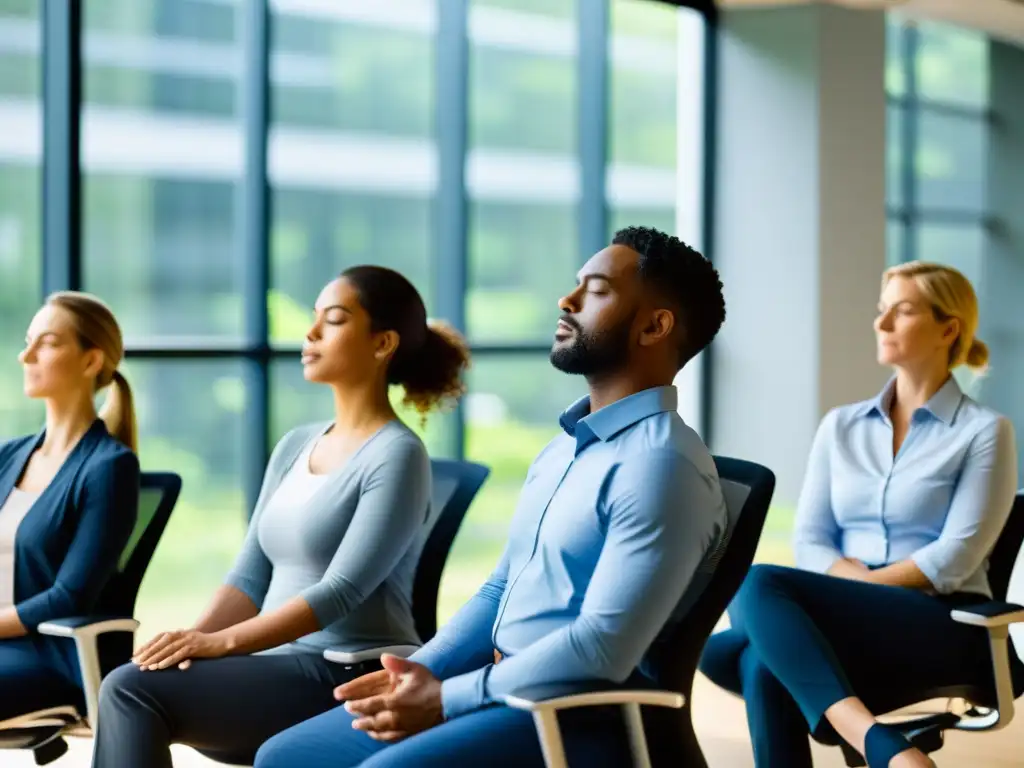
{"x": 350, "y": 549}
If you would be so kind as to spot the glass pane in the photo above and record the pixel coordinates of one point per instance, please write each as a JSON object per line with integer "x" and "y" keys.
{"x": 511, "y": 413}
{"x": 895, "y": 80}
{"x": 318, "y": 233}
{"x": 199, "y": 20}
{"x": 952, "y": 64}
{"x": 522, "y": 260}
{"x": 951, "y": 162}
{"x": 957, "y": 245}
{"x": 349, "y": 69}
{"x": 190, "y": 418}
{"x": 559, "y": 9}
{"x": 659, "y": 218}
{"x": 162, "y": 150}
{"x": 294, "y": 401}
{"x": 522, "y": 175}
{"x": 894, "y": 155}
{"x": 656, "y": 118}
{"x": 522, "y": 84}
{"x": 352, "y": 159}
{"x": 895, "y": 235}
{"x": 642, "y": 112}
{"x": 20, "y": 212}
{"x": 642, "y": 104}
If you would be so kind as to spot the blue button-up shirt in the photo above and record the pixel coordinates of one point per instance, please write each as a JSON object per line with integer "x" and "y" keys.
{"x": 942, "y": 500}
{"x": 615, "y": 521}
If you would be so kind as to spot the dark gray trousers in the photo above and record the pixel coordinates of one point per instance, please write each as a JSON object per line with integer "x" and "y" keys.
{"x": 226, "y": 708}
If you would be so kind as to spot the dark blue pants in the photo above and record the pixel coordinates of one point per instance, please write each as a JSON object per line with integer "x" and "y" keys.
{"x": 497, "y": 737}
{"x": 800, "y": 642}
{"x": 33, "y": 677}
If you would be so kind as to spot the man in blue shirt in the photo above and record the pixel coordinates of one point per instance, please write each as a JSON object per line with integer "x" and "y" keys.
{"x": 616, "y": 519}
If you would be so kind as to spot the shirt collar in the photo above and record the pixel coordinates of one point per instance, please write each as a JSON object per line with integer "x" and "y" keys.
{"x": 943, "y": 405}
{"x": 612, "y": 419}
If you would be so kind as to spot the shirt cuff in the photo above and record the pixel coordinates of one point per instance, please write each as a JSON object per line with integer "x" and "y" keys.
{"x": 816, "y": 557}
{"x": 932, "y": 571}
{"x": 248, "y": 587}
{"x": 464, "y": 693}
{"x": 429, "y": 658}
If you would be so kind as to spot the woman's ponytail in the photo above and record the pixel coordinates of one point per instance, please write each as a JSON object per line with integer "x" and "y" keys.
{"x": 118, "y": 412}
{"x": 432, "y": 374}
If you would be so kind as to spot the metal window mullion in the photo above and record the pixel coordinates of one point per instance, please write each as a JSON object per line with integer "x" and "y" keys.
{"x": 909, "y": 142}
{"x": 61, "y": 203}
{"x": 592, "y": 67}
{"x": 451, "y": 255}
{"x": 710, "y": 116}
{"x": 253, "y": 240}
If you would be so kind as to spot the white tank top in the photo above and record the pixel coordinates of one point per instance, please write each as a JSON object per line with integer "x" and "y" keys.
{"x": 11, "y": 514}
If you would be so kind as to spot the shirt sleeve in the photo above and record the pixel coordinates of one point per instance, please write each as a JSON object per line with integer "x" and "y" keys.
{"x": 465, "y": 643}
{"x": 108, "y": 510}
{"x": 816, "y": 534}
{"x": 978, "y": 512}
{"x": 391, "y": 512}
{"x": 662, "y": 518}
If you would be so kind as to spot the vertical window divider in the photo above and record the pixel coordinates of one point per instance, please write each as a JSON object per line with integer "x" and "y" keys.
{"x": 61, "y": 192}
{"x": 254, "y": 241}
{"x": 451, "y": 220}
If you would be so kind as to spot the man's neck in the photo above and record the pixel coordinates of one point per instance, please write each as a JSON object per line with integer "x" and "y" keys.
{"x": 609, "y": 389}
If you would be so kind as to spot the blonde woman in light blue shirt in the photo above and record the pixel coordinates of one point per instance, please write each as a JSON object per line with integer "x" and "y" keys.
{"x": 904, "y": 498}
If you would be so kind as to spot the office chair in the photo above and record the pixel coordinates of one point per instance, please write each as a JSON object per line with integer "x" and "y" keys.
{"x": 455, "y": 484}
{"x": 667, "y": 723}
{"x": 990, "y": 708}
{"x": 104, "y": 640}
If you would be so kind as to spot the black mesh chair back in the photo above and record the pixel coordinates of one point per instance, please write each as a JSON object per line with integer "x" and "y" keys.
{"x": 748, "y": 490}
{"x": 455, "y": 485}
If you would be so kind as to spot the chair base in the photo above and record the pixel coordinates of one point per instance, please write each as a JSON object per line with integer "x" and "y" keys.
{"x": 50, "y": 751}
{"x": 43, "y": 732}
{"x": 46, "y": 742}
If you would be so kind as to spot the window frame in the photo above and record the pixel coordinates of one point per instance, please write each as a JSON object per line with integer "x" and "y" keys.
{"x": 63, "y": 72}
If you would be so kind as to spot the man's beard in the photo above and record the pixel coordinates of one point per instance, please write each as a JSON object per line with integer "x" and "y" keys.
{"x": 593, "y": 354}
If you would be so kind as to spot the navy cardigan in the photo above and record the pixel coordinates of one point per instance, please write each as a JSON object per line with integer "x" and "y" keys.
{"x": 68, "y": 545}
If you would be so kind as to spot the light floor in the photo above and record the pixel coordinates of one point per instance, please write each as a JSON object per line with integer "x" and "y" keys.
{"x": 721, "y": 727}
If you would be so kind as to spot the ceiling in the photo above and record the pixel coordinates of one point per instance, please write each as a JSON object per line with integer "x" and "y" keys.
{"x": 1003, "y": 19}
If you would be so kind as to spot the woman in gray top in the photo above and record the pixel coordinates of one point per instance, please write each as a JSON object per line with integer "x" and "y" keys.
{"x": 330, "y": 553}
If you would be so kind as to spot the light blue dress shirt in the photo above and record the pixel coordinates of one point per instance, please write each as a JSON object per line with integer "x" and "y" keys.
{"x": 942, "y": 501}
{"x": 615, "y": 521}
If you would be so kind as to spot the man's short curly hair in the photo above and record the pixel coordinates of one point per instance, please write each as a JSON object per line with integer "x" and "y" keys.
{"x": 682, "y": 275}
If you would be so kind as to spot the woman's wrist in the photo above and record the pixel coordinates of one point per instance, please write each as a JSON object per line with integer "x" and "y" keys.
{"x": 226, "y": 639}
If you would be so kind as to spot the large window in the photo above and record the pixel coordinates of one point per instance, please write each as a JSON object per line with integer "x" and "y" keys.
{"x": 20, "y": 195}
{"x": 937, "y": 148}
{"x": 161, "y": 162}
{"x": 236, "y": 156}
{"x": 941, "y": 121}
{"x": 937, "y": 83}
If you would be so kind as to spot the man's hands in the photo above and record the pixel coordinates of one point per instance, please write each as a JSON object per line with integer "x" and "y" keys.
{"x": 402, "y": 699}
{"x": 180, "y": 647}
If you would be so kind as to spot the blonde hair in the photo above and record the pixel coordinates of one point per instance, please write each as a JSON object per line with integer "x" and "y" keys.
{"x": 951, "y": 296}
{"x": 97, "y": 328}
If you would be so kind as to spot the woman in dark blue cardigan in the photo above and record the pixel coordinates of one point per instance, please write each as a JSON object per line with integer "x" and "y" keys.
{"x": 68, "y": 498}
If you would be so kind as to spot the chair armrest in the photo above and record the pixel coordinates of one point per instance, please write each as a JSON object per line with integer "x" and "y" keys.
{"x": 350, "y": 658}
{"x": 558, "y": 697}
{"x": 544, "y": 702}
{"x": 80, "y": 626}
{"x": 84, "y": 630}
{"x": 995, "y": 618}
{"x": 992, "y": 614}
